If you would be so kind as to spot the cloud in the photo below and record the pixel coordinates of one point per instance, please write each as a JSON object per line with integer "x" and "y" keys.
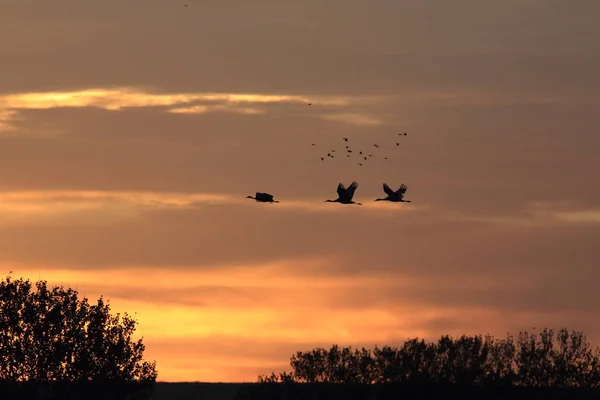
{"x": 6, "y": 117}
{"x": 202, "y": 109}
{"x": 565, "y": 211}
{"x": 60, "y": 203}
{"x": 358, "y": 119}
{"x": 81, "y": 207}
{"x": 121, "y": 98}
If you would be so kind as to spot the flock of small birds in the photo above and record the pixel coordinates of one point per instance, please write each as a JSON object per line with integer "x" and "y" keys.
{"x": 361, "y": 154}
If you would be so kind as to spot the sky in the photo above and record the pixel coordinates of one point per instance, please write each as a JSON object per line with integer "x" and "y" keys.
{"x": 132, "y": 132}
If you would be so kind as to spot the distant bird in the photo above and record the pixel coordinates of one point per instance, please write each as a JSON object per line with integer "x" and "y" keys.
{"x": 345, "y": 195}
{"x": 263, "y": 198}
{"x": 309, "y": 104}
{"x": 360, "y": 164}
{"x": 349, "y": 151}
{"x": 360, "y": 152}
{"x": 385, "y": 158}
{"x": 397, "y": 196}
{"x": 365, "y": 158}
{"x": 404, "y": 133}
{"x": 397, "y": 144}
{"x": 347, "y": 146}
{"x": 322, "y": 158}
{"x": 376, "y": 145}
{"x": 313, "y": 144}
{"x": 345, "y": 139}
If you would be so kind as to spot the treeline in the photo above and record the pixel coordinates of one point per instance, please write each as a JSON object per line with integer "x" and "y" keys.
{"x": 55, "y": 345}
{"x": 561, "y": 359}
{"x": 547, "y": 359}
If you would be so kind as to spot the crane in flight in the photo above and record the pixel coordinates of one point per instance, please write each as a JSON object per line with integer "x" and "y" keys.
{"x": 345, "y": 195}
{"x": 397, "y": 196}
{"x": 263, "y": 198}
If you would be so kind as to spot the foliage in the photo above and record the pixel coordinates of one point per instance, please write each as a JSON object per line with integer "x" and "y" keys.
{"x": 50, "y": 338}
{"x": 548, "y": 359}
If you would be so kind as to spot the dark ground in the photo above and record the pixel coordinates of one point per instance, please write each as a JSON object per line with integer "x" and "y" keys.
{"x": 228, "y": 391}
{"x": 197, "y": 391}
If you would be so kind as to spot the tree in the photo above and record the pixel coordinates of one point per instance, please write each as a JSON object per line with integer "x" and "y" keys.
{"x": 50, "y": 338}
{"x": 564, "y": 359}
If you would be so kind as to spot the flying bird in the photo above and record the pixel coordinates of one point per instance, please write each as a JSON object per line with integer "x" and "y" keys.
{"x": 345, "y": 195}
{"x": 397, "y": 196}
{"x": 263, "y": 198}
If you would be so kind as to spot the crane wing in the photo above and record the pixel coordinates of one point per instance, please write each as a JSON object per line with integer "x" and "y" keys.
{"x": 268, "y": 197}
{"x": 388, "y": 190}
{"x": 351, "y": 189}
{"x": 341, "y": 190}
{"x": 400, "y": 192}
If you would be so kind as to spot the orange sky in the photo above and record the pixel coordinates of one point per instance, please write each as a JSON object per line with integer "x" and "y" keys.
{"x": 131, "y": 132}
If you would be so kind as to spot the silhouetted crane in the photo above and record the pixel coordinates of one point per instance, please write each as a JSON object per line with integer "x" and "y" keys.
{"x": 263, "y": 198}
{"x": 345, "y": 195}
{"x": 397, "y": 196}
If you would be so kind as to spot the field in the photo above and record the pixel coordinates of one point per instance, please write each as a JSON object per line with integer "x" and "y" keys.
{"x": 196, "y": 391}
{"x": 227, "y": 391}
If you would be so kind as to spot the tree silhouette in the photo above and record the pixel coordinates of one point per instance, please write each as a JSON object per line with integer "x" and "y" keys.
{"x": 50, "y": 338}
{"x": 549, "y": 360}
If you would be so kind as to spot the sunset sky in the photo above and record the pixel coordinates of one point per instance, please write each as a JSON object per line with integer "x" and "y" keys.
{"x": 132, "y": 131}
